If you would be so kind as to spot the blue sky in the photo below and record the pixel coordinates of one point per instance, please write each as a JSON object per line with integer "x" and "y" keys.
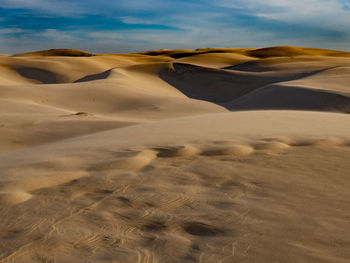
{"x": 114, "y": 26}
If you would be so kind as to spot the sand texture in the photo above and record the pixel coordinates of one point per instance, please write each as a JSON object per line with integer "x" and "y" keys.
{"x": 207, "y": 155}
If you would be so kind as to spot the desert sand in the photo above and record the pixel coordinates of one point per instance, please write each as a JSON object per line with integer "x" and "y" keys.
{"x": 207, "y": 155}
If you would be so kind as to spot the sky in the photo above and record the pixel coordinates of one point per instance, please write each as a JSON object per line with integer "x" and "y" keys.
{"x": 118, "y": 26}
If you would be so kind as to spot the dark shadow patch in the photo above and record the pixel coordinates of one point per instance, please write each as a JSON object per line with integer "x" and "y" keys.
{"x": 217, "y": 85}
{"x": 149, "y": 204}
{"x": 303, "y": 143}
{"x": 102, "y": 75}
{"x": 79, "y": 113}
{"x": 104, "y": 191}
{"x": 124, "y": 200}
{"x": 250, "y": 66}
{"x": 156, "y": 225}
{"x": 213, "y": 85}
{"x": 165, "y": 152}
{"x": 195, "y": 247}
{"x": 181, "y": 54}
{"x": 41, "y": 75}
{"x": 279, "y": 97}
{"x": 73, "y": 182}
{"x": 13, "y": 233}
{"x": 201, "y": 229}
{"x": 194, "y": 53}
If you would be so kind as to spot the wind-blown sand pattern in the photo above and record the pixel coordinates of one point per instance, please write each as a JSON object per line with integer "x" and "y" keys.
{"x": 212, "y": 155}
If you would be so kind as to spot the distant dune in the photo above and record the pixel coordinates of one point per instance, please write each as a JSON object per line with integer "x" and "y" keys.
{"x": 207, "y": 155}
{"x": 283, "y": 51}
{"x": 57, "y": 52}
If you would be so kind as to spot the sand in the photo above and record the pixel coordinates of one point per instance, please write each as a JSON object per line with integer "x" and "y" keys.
{"x": 211, "y": 155}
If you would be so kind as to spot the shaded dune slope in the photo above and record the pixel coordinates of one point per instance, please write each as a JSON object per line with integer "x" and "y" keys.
{"x": 220, "y": 86}
{"x": 41, "y": 75}
{"x": 291, "y": 97}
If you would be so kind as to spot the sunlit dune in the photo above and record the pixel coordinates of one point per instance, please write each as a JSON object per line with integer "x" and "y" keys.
{"x": 58, "y": 52}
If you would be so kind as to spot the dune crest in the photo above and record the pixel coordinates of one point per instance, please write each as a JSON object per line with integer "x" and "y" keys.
{"x": 58, "y": 52}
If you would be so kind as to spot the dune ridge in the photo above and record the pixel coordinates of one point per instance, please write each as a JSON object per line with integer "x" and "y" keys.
{"x": 206, "y": 155}
{"x": 58, "y": 52}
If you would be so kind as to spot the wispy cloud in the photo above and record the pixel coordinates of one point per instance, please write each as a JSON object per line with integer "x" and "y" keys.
{"x": 324, "y": 13}
{"x": 11, "y": 30}
{"x": 136, "y": 20}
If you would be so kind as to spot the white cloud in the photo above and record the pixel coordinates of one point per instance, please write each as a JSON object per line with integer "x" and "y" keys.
{"x": 11, "y": 30}
{"x": 111, "y": 35}
{"x": 56, "y": 35}
{"x": 331, "y": 14}
{"x": 136, "y": 20}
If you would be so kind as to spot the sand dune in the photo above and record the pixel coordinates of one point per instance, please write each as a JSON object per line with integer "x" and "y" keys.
{"x": 207, "y": 155}
{"x": 58, "y": 52}
{"x": 287, "y": 51}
